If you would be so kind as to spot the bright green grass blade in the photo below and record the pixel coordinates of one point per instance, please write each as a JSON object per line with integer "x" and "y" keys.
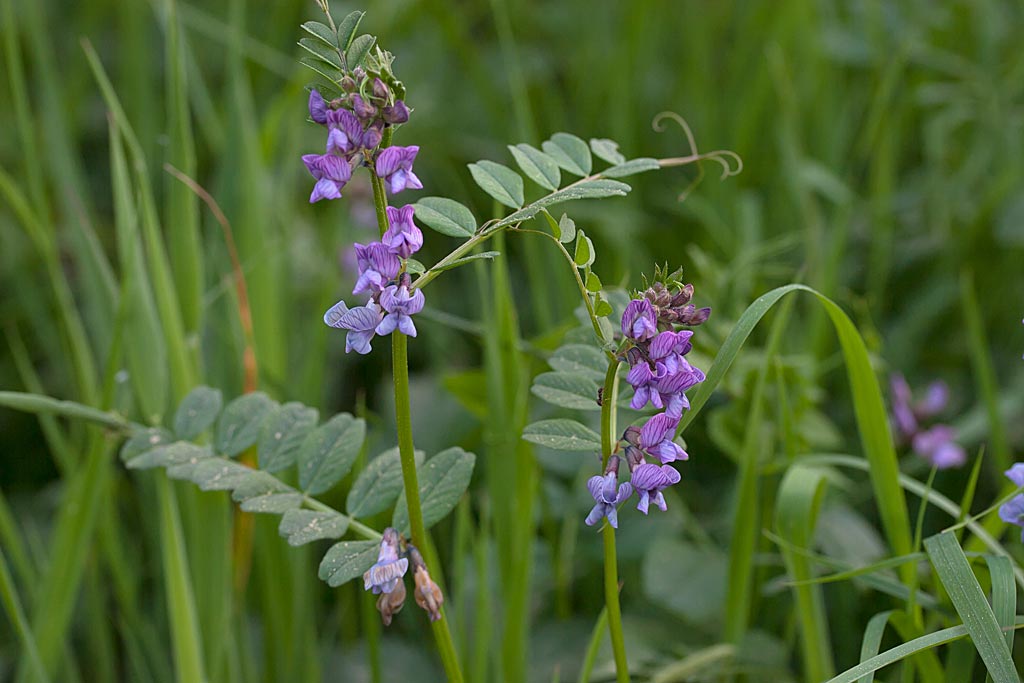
{"x": 181, "y": 609}
{"x": 969, "y": 600}
{"x": 1004, "y": 594}
{"x": 796, "y": 512}
{"x": 967, "y": 500}
{"x": 593, "y": 646}
{"x": 15, "y": 73}
{"x": 872, "y": 420}
{"x": 873, "y": 640}
{"x": 12, "y": 604}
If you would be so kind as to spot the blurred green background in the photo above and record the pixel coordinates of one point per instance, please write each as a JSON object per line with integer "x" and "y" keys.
{"x": 883, "y": 160}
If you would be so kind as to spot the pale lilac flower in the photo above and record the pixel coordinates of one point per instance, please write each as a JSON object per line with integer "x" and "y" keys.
{"x": 377, "y": 267}
{"x": 607, "y": 493}
{"x": 935, "y": 399}
{"x": 938, "y": 447}
{"x": 649, "y": 482}
{"x": 345, "y": 132}
{"x": 389, "y": 569}
{"x": 360, "y": 323}
{"x": 401, "y": 304}
{"x": 402, "y": 237}
{"x": 1012, "y": 511}
{"x": 656, "y": 439}
{"x": 640, "y": 320}
{"x": 394, "y": 165}
{"x": 672, "y": 389}
{"x": 331, "y": 174}
{"x": 317, "y": 107}
{"x": 902, "y": 412}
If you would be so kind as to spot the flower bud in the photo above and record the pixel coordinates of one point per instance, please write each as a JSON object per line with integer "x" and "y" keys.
{"x": 427, "y": 593}
{"x": 348, "y": 84}
{"x": 372, "y": 137}
{"x": 390, "y": 604}
{"x": 380, "y": 90}
{"x": 363, "y": 109}
{"x": 396, "y": 113}
{"x": 658, "y": 295}
{"x": 683, "y": 296}
{"x": 359, "y": 73}
{"x": 632, "y": 435}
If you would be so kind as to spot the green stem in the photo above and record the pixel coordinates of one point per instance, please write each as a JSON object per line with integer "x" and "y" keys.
{"x": 611, "y": 570}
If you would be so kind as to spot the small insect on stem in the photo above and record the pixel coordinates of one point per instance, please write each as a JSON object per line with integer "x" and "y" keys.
{"x": 600, "y": 396}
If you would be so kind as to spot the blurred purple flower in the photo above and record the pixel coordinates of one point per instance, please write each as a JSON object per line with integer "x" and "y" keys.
{"x": 937, "y": 446}
{"x": 394, "y": 165}
{"x": 607, "y": 493}
{"x": 402, "y": 237}
{"x": 906, "y": 414}
{"x": 649, "y": 482}
{"x": 317, "y": 107}
{"x": 401, "y": 305}
{"x": 389, "y": 569}
{"x": 377, "y": 267}
{"x": 360, "y": 323}
{"x": 656, "y": 439}
{"x": 1012, "y": 511}
{"x": 331, "y": 174}
{"x": 640, "y": 320}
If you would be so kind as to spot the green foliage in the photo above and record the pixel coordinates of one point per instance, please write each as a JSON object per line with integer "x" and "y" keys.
{"x": 443, "y": 479}
{"x": 328, "y": 452}
{"x": 446, "y": 216}
{"x": 563, "y": 435}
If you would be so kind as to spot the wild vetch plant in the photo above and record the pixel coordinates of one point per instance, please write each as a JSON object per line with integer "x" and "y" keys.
{"x": 622, "y": 384}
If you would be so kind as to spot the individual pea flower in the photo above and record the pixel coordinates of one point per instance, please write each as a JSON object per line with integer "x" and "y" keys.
{"x": 363, "y": 109}
{"x": 377, "y": 266}
{"x": 331, "y": 173}
{"x": 907, "y": 415}
{"x": 427, "y": 593}
{"x": 607, "y": 493}
{"x": 390, "y": 604}
{"x": 401, "y": 303}
{"x": 394, "y": 165}
{"x": 395, "y": 113}
{"x": 671, "y": 389}
{"x": 361, "y": 323}
{"x": 1012, "y": 511}
{"x": 937, "y": 446}
{"x": 387, "y": 572}
{"x": 344, "y": 132}
{"x": 655, "y": 438}
{"x": 317, "y": 107}
{"x": 402, "y": 237}
{"x": 649, "y": 482}
{"x": 640, "y": 320}
{"x": 661, "y": 388}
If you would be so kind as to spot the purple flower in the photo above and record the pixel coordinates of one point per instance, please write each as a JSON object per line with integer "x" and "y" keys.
{"x": 664, "y": 387}
{"x": 389, "y": 569}
{"x": 649, "y": 482}
{"x": 363, "y": 109}
{"x": 656, "y": 439}
{"x": 317, "y": 107}
{"x": 1012, "y": 511}
{"x": 360, "y": 323}
{"x": 935, "y": 399}
{"x": 394, "y": 165}
{"x": 331, "y": 174}
{"x": 607, "y": 493}
{"x": 401, "y": 305}
{"x": 902, "y": 412}
{"x": 377, "y": 267}
{"x": 672, "y": 388}
{"x": 640, "y": 320}
{"x": 396, "y": 113}
{"x": 403, "y": 237}
{"x": 345, "y": 132}
{"x": 938, "y": 447}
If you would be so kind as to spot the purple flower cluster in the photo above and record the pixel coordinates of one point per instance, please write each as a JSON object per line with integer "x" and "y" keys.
{"x": 385, "y": 578}
{"x": 393, "y": 299}
{"x": 936, "y": 444}
{"x": 660, "y": 375}
{"x": 355, "y": 125}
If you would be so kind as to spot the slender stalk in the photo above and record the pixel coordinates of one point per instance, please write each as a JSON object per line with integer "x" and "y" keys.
{"x": 611, "y": 570}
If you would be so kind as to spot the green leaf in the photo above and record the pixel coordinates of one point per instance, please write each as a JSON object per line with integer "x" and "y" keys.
{"x": 144, "y": 440}
{"x": 538, "y": 166}
{"x": 969, "y": 600}
{"x": 566, "y": 389}
{"x": 1004, "y": 594}
{"x": 446, "y": 216}
{"x": 567, "y": 227}
{"x": 272, "y": 503}
{"x": 687, "y": 579}
{"x": 239, "y": 425}
{"x": 176, "y": 453}
{"x": 414, "y": 267}
{"x": 197, "y": 411}
{"x": 591, "y": 189}
{"x": 348, "y": 27}
{"x": 602, "y": 309}
{"x": 321, "y": 32}
{"x": 594, "y": 285}
{"x": 872, "y": 640}
{"x": 562, "y": 435}
{"x": 501, "y": 182}
{"x": 321, "y": 52}
{"x": 442, "y": 481}
{"x": 607, "y": 149}
{"x": 328, "y": 452}
{"x": 305, "y": 526}
{"x": 582, "y": 359}
{"x": 330, "y": 73}
{"x": 584, "y": 250}
{"x": 378, "y": 485}
{"x": 257, "y": 485}
{"x": 221, "y": 474}
{"x": 631, "y": 167}
{"x": 356, "y": 53}
{"x": 488, "y": 255}
{"x": 569, "y": 152}
{"x": 347, "y": 560}
{"x": 283, "y": 433}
